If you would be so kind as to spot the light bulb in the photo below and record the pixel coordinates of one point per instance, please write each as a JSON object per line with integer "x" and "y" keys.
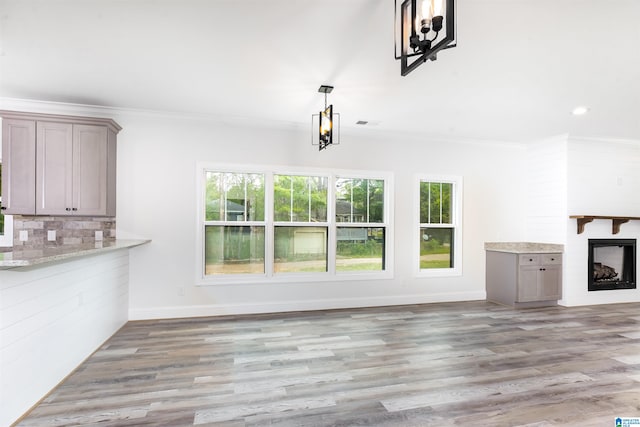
{"x": 325, "y": 127}
{"x": 423, "y": 15}
{"x": 423, "y": 11}
{"x": 437, "y": 8}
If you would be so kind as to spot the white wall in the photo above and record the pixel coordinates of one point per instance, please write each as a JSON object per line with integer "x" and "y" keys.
{"x": 157, "y": 156}
{"x": 603, "y": 179}
{"x": 157, "y": 199}
{"x": 546, "y": 190}
{"x": 52, "y": 318}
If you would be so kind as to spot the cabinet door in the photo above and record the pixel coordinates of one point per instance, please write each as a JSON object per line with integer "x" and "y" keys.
{"x": 90, "y": 170}
{"x": 53, "y": 166}
{"x": 551, "y": 282}
{"x": 528, "y": 283}
{"x": 18, "y": 167}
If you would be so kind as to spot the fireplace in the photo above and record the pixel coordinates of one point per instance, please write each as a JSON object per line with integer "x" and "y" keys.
{"x": 612, "y": 264}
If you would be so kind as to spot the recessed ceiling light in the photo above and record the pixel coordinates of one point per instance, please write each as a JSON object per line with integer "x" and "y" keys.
{"x": 579, "y": 111}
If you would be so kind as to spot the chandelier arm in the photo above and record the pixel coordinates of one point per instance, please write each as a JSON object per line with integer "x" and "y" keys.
{"x": 434, "y": 37}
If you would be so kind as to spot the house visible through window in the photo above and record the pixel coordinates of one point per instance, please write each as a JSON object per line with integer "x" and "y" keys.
{"x": 439, "y": 230}
{"x": 278, "y": 225}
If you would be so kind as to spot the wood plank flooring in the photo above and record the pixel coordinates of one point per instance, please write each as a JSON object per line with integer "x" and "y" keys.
{"x": 471, "y": 364}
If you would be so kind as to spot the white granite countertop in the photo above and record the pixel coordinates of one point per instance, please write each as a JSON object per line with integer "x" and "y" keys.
{"x": 47, "y": 254}
{"x": 524, "y": 247}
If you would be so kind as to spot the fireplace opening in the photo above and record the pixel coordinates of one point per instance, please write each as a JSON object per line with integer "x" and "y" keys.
{"x": 612, "y": 264}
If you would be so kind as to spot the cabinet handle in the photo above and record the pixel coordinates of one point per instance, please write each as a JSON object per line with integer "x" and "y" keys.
{"x": 3, "y": 209}
{"x": 74, "y": 209}
{"x": 530, "y": 259}
{"x": 553, "y": 259}
{"x": 67, "y": 209}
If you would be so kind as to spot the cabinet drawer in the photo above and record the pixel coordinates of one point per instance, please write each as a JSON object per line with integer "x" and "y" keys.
{"x": 527, "y": 259}
{"x": 552, "y": 259}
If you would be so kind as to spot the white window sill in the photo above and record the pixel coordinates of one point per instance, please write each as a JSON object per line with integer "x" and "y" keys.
{"x": 298, "y": 278}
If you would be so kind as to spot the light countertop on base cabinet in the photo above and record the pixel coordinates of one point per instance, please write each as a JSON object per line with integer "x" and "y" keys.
{"x": 50, "y": 254}
{"x": 524, "y": 274}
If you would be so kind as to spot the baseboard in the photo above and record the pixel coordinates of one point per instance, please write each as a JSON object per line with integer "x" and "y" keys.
{"x": 301, "y": 305}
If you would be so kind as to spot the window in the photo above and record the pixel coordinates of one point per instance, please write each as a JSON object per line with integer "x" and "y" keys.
{"x": 300, "y": 200}
{"x": 281, "y": 225}
{"x": 234, "y": 225}
{"x": 439, "y": 234}
{"x": 6, "y": 221}
{"x": 359, "y": 209}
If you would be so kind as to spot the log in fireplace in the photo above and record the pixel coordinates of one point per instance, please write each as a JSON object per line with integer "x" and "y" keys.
{"x": 612, "y": 264}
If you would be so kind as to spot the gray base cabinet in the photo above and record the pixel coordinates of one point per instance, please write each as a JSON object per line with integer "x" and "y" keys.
{"x": 523, "y": 280}
{"x": 58, "y": 165}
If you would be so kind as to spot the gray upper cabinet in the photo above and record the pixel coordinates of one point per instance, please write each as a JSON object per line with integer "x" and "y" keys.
{"x": 18, "y": 166}
{"x": 90, "y": 170}
{"x": 54, "y": 163}
{"x": 74, "y": 165}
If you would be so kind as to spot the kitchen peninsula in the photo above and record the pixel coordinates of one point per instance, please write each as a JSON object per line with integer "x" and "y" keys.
{"x": 64, "y": 285}
{"x": 58, "y": 306}
{"x": 31, "y": 256}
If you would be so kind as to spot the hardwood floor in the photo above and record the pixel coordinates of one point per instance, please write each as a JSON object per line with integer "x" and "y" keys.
{"x": 471, "y": 364}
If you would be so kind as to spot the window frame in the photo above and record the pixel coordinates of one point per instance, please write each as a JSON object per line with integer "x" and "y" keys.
{"x": 456, "y": 225}
{"x": 270, "y": 276}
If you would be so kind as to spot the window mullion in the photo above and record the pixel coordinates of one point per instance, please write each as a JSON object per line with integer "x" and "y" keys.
{"x": 290, "y": 199}
{"x": 223, "y": 183}
{"x": 368, "y": 198}
{"x": 332, "y": 239}
{"x": 269, "y": 214}
{"x": 429, "y": 202}
{"x": 351, "y": 202}
{"x": 441, "y": 203}
{"x": 244, "y": 216}
{"x": 309, "y": 198}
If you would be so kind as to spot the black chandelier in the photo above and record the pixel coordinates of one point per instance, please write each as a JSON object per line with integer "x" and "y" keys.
{"x": 426, "y": 28}
{"x": 326, "y": 123}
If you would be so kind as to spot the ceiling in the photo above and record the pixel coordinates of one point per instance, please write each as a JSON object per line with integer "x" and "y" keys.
{"x": 519, "y": 69}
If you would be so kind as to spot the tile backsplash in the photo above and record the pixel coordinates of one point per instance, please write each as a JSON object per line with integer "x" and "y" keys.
{"x": 68, "y": 230}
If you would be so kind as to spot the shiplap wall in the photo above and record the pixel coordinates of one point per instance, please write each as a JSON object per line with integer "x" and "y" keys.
{"x": 546, "y": 191}
{"x": 52, "y": 318}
